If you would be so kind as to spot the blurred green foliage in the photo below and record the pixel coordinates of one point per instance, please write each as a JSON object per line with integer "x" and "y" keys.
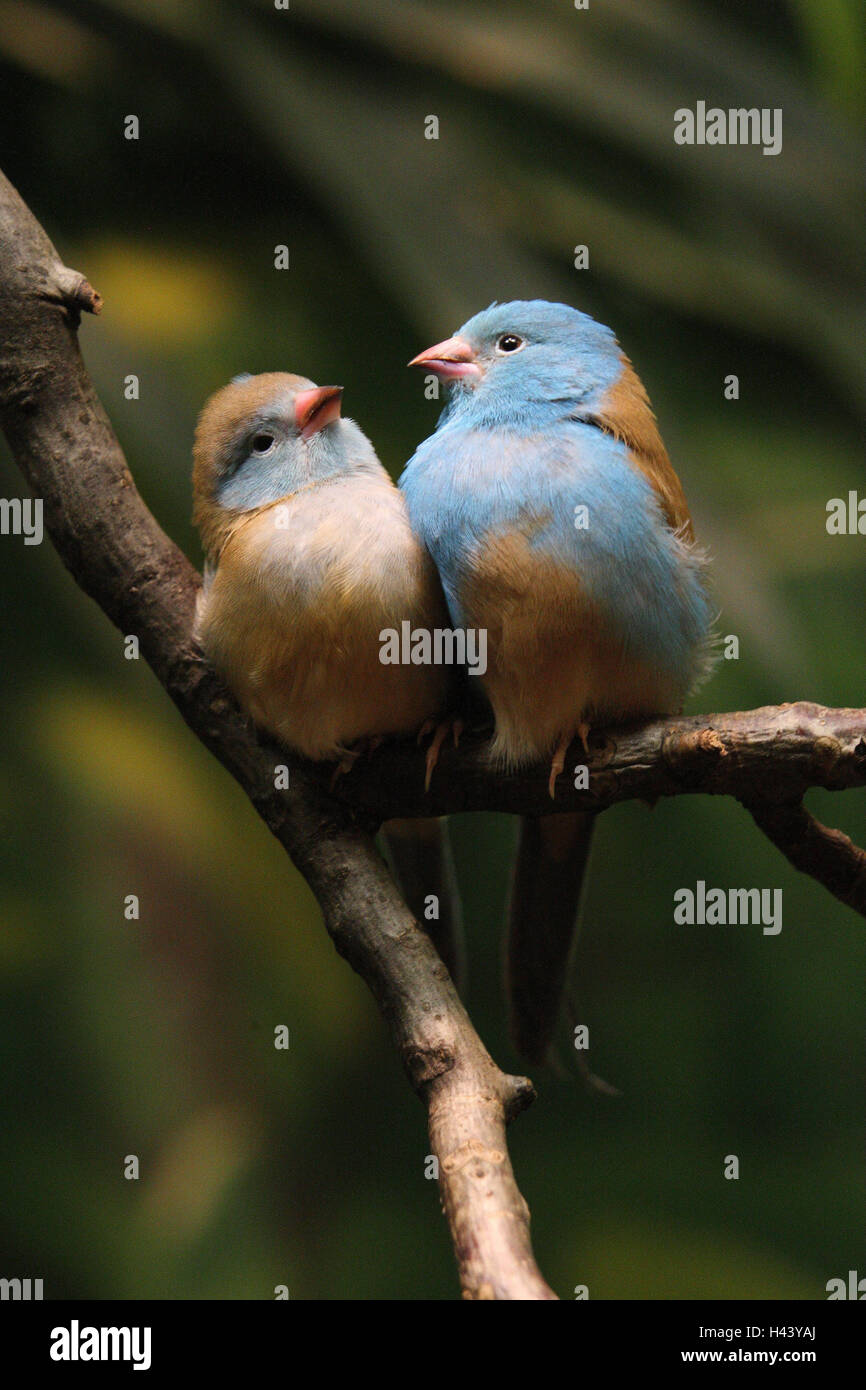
{"x": 305, "y": 126}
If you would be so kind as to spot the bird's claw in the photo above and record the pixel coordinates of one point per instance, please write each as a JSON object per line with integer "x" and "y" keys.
{"x": 365, "y": 747}
{"x": 440, "y": 731}
{"x": 558, "y": 763}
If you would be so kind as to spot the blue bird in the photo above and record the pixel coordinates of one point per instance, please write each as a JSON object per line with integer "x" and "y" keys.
{"x": 557, "y": 524}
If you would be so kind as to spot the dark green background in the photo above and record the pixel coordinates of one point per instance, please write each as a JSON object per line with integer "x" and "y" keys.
{"x": 306, "y": 127}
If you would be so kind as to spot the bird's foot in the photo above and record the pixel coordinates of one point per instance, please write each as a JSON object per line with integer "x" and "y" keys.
{"x": 440, "y": 730}
{"x": 364, "y": 748}
{"x": 558, "y": 763}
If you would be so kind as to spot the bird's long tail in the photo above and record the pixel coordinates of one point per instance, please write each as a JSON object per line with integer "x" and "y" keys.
{"x": 420, "y": 853}
{"x": 552, "y": 853}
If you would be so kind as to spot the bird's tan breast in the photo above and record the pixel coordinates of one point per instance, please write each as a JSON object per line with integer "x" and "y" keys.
{"x": 294, "y": 615}
{"x": 554, "y": 662}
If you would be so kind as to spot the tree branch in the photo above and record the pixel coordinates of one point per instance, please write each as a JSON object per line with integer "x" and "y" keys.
{"x": 827, "y": 855}
{"x": 777, "y": 752}
{"x": 64, "y": 444}
{"x": 767, "y": 758}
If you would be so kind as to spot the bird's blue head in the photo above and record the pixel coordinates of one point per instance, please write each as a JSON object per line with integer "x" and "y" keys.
{"x": 262, "y": 438}
{"x": 524, "y": 363}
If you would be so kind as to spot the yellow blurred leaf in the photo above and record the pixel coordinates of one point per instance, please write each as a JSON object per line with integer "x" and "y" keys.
{"x": 167, "y": 297}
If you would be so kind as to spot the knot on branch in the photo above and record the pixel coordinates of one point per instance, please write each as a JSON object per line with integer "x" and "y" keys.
{"x": 689, "y": 754}
{"x": 518, "y": 1093}
{"x": 23, "y": 391}
{"x": 75, "y": 291}
{"x": 424, "y": 1064}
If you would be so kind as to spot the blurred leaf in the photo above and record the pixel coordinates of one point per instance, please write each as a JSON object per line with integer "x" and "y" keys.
{"x": 51, "y": 44}
{"x": 167, "y": 299}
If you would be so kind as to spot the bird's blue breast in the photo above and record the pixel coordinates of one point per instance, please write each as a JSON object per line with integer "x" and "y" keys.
{"x": 465, "y": 487}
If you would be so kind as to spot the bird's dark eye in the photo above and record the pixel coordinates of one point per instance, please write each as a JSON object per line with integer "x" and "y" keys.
{"x": 509, "y": 342}
{"x": 262, "y": 443}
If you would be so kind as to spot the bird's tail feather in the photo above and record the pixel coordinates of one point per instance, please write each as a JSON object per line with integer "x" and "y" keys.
{"x": 421, "y": 858}
{"x": 549, "y": 868}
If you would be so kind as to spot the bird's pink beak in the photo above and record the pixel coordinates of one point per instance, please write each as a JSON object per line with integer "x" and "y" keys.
{"x": 453, "y": 358}
{"x": 316, "y": 408}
